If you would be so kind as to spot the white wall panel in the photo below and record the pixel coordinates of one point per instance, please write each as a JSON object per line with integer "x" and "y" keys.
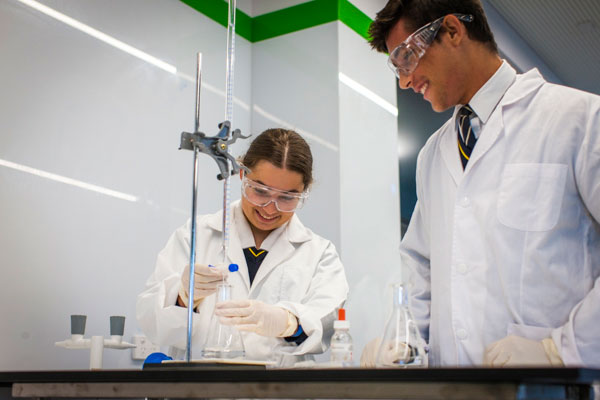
{"x": 80, "y": 109}
{"x": 259, "y": 7}
{"x": 369, "y": 199}
{"x": 369, "y": 7}
{"x": 294, "y": 80}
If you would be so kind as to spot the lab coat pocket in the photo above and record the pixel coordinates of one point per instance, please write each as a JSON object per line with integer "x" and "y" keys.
{"x": 531, "y": 195}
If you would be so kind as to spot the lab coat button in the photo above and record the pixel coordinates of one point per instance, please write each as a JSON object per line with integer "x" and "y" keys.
{"x": 461, "y": 334}
{"x": 465, "y": 202}
{"x": 462, "y": 268}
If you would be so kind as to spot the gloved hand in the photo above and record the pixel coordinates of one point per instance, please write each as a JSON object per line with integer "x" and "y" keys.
{"x": 394, "y": 353}
{"x": 391, "y": 354}
{"x": 206, "y": 280}
{"x": 256, "y": 316}
{"x": 369, "y": 353}
{"x": 518, "y": 351}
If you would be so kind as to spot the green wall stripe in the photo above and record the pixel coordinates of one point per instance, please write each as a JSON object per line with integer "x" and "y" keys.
{"x": 217, "y": 11}
{"x": 354, "y": 18}
{"x": 287, "y": 20}
{"x": 243, "y": 24}
{"x": 292, "y": 19}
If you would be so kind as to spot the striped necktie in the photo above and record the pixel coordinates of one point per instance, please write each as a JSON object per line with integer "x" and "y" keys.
{"x": 466, "y": 137}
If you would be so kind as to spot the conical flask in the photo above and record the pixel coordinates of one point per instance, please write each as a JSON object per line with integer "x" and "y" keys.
{"x": 223, "y": 341}
{"x": 402, "y": 345}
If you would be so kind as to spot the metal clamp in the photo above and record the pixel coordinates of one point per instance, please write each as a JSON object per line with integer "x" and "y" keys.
{"x": 216, "y": 147}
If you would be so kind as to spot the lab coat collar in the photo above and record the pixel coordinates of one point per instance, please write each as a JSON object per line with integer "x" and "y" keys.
{"x": 449, "y": 146}
{"x": 494, "y": 93}
{"x": 294, "y": 233}
{"x": 529, "y": 82}
{"x": 235, "y": 252}
{"x": 496, "y": 90}
{"x": 243, "y": 227}
{"x": 282, "y": 249}
{"x": 449, "y": 149}
{"x": 489, "y": 95}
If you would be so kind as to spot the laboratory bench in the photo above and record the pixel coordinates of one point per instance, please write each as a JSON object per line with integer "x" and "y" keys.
{"x": 347, "y": 383}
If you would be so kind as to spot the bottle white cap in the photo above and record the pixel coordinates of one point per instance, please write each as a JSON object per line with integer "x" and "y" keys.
{"x": 341, "y": 324}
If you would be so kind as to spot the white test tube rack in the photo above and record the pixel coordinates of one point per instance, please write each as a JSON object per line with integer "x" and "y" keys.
{"x": 97, "y": 343}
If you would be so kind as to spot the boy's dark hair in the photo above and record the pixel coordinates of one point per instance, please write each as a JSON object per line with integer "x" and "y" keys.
{"x": 417, "y": 13}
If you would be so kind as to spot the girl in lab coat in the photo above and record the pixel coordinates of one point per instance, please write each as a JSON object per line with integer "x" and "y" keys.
{"x": 290, "y": 280}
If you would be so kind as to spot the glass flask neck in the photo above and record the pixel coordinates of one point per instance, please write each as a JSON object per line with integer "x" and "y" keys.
{"x": 400, "y": 296}
{"x": 223, "y": 292}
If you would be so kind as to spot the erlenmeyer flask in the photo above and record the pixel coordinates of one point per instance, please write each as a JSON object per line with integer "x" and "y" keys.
{"x": 402, "y": 345}
{"x": 223, "y": 341}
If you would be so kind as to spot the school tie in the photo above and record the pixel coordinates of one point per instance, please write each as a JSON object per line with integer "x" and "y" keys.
{"x": 466, "y": 137}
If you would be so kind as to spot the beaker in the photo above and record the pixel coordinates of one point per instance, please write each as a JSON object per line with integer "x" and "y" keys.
{"x": 402, "y": 345}
{"x": 222, "y": 341}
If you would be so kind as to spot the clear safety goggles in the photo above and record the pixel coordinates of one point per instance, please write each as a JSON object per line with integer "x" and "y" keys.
{"x": 262, "y": 195}
{"x": 404, "y": 59}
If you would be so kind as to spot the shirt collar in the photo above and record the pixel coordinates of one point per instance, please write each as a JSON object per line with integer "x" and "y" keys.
{"x": 489, "y": 95}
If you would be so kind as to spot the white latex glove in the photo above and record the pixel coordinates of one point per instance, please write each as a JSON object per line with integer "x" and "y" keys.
{"x": 518, "y": 351}
{"x": 369, "y": 353}
{"x": 391, "y": 354}
{"x": 394, "y": 353}
{"x": 258, "y": 317}
{"x": 206, "y": 280}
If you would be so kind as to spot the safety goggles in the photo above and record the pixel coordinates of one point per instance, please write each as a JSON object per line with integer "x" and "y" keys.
{"x": 404, "y": 59}
{"x": 262, "y": 195}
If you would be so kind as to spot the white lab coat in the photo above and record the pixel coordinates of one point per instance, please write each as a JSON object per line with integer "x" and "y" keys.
{"x": 301, "y": 273}
{"x": 512, "y": 245}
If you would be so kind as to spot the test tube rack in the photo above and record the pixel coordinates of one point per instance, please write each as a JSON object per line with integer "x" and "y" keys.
{"x": 96, "y": 344}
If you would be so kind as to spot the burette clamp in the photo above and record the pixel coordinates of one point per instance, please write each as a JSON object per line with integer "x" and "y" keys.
{"x": 215, "y": 146}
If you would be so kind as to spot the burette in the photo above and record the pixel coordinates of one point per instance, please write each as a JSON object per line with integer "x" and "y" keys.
{"x": 218, "y": 148}
{"x": 228, "y": 117}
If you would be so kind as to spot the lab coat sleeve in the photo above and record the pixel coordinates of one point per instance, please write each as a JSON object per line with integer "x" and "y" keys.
{"x": 159, "y": 317}
{"x": 415, "y": 256}
{"x": 316, "y": 312}
{"x": 577, "y": 340}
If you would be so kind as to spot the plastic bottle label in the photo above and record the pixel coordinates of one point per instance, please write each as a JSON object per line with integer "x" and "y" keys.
{"x": 341, "y": 352}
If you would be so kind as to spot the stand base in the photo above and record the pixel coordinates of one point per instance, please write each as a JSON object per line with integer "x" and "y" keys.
{"x": 206, "y": 365}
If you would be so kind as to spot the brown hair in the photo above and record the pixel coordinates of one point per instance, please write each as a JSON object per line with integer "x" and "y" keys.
{"x": 417, "y": 13}
{"x": 283, "y": 148}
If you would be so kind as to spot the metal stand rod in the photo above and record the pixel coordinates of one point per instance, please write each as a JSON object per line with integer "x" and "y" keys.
{"x": 188, "y": 352}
